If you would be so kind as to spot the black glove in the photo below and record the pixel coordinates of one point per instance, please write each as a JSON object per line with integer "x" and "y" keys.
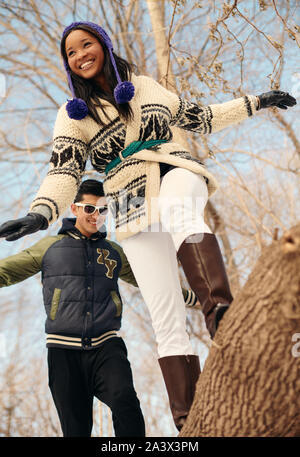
{"x": 13, "y": 230}
{"x": 276, "y": 98}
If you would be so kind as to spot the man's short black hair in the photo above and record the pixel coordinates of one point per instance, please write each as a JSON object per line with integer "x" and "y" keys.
{"x": 89, "y": 186}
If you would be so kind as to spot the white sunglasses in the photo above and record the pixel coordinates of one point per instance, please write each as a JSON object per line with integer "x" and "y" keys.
{"x": 91, "y": 209}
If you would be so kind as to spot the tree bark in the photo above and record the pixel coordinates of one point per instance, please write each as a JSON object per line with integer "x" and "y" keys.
{"x": 162, "y": 49}
{"x": 250, "y": 385}
{"x": 162, "y": 46}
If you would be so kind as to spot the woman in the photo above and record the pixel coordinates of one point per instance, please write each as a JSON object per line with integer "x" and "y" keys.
{"x": 123, "y": 123}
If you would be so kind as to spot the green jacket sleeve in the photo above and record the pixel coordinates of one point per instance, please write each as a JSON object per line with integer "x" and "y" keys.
{"x": 126, "y": 272}
{"x": 16, "y": 268}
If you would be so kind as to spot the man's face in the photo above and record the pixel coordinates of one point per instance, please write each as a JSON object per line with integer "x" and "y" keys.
{"x": 88, "y": 224}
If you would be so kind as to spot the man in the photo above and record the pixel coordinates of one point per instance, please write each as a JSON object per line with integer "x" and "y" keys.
{"x": 86, "y": 357}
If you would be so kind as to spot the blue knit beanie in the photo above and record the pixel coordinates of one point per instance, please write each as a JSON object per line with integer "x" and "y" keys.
{"x": 123, "y": 92}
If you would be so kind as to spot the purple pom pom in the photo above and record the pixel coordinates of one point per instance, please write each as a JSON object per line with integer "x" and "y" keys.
{"x": 124, "y": 92}
{"x": 77, "y": 109}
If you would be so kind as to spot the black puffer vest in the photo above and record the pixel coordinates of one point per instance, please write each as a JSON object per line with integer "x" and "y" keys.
{"x": 80, "y": 289}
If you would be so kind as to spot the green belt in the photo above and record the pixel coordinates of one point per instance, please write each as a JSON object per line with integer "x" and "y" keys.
{"x": 133, "y": 147}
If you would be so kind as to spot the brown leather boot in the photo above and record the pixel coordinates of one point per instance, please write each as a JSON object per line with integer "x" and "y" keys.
{"x": 180, "y": 373}
{"x": 204, "y": 269}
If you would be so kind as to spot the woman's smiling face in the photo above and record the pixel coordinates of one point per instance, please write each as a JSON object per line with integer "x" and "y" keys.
{"x": 85, "y": 54}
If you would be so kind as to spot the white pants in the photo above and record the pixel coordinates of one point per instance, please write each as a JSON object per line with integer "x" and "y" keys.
{"x": 153, "y": 257}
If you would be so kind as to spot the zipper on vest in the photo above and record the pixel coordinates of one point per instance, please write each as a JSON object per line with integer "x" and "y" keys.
{"x": 86, "y": 340}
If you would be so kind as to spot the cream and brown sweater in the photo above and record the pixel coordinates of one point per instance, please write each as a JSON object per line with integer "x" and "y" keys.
{"x": 132, "y": 187}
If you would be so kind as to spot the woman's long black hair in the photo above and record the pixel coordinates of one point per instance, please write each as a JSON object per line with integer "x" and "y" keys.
{"x": 89, "y": 91}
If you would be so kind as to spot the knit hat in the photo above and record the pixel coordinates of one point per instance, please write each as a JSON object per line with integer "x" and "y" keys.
{"x": 123, "y": 92}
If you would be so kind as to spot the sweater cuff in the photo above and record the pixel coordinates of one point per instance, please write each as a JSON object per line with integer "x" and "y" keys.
{"x": 44, "y": 210}
{"x": 257, "y": 102}
{"x": 189, "y": 298}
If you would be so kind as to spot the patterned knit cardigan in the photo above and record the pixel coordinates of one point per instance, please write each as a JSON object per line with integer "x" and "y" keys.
{"x": 132, "y": 187}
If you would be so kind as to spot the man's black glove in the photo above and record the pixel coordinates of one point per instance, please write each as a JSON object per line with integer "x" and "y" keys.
{"x": 13, "y": 230}
{"x": 276, "y": 98}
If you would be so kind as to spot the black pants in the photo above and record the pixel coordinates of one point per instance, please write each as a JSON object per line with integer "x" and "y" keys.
{"x": 76, "y": 376}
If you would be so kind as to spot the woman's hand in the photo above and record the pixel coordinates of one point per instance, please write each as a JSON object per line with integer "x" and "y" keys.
{"x": 276, "y": 98}
{"x": 13, "y": 230}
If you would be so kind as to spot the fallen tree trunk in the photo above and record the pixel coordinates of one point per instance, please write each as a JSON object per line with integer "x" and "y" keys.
{"x": 250, "y": 384}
